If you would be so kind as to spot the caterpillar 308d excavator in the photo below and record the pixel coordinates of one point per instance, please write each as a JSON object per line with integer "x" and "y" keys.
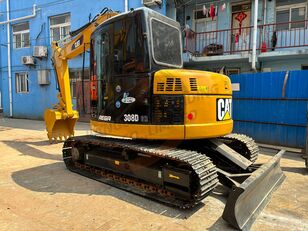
{"x": 163, "y": 132}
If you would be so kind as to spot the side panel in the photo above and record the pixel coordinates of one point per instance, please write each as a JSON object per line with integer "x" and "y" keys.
{"x": 201, "y": 116}
{"x": 157, "y": 132}
{"x": 131, "y": 99}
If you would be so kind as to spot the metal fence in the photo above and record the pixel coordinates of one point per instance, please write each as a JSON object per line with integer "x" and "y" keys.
{"x": 272, "y": 107}
{"x": 219, "y": 42}
{"x": 283, "y": 35}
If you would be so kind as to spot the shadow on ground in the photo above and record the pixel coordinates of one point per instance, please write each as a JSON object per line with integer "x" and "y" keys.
{"x": 287, "y": 155}
{"x": 26, "y": 149}
{"x": 38, "y": 125}
{"x": 55, "y": 178}
{"x": 219, "y": 225}
{"x": 298, "y": 170}
{"x": 22, "y": 124}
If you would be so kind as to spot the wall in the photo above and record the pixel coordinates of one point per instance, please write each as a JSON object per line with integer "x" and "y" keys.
{"x": 283, "y": 65}
{"x": 170, "y": 9}
{"x": 244, "y": 66}
{"x": 137, "y": 3}
{"x": 32, "y": 104}
{"x": 1, "y": 101}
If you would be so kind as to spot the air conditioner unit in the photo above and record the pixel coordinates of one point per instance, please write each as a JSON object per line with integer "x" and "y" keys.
{"x": 27, "y": 60}
{"x": 40, "y": 51}
{"x": 43, "y": 77}
{"x": 151, "y": 2}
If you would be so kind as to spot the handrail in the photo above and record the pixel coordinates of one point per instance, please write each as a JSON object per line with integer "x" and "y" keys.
{"x": 271, "y": 36}
{"x": 282, "y": 23}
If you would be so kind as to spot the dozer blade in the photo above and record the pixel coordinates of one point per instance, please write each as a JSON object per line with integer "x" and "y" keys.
{"x": 58, "y": 125}
{"x": 249, "y": 196}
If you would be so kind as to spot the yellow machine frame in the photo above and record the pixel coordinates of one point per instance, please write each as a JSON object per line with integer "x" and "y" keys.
{"x": 201, "y": 103}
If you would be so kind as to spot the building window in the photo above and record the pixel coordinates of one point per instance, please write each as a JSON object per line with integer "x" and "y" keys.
{"x": 22, "y": 82}
{"x": 21, "y": 35}
{"x": 296, "y": 14}
{"x": 60, "y": 26}
{"x": 304, "y": 67}
{"x": 233, "y": 71}
{"x": 204, "y": 23}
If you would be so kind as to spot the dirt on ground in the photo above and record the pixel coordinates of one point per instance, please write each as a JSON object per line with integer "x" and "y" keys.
{"x": 37, "y": 192}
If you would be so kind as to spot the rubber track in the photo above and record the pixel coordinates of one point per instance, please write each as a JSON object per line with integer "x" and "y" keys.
{"x": 250, "y": 144}
{"x": 201, "y": 164}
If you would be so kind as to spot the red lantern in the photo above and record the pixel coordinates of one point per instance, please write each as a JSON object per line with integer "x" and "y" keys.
{"x": 240, "y": 17}
{"x": 263, "y": 47}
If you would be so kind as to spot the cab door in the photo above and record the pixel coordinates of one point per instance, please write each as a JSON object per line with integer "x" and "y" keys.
{"x": 100, "y": 75}
{"x": 130, "y": 77}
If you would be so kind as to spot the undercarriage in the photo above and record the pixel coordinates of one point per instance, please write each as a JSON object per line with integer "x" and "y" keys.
{"x": 178, "y": 173}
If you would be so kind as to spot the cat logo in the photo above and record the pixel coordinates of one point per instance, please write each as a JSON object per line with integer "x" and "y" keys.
{"x": 224, "y": 109}
{"x": 77, "y": 43}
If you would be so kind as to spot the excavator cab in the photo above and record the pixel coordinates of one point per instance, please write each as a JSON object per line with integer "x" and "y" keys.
{"x": 140, "y": 89}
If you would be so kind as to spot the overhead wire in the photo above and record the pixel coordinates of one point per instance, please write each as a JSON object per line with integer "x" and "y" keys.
{"x": 58, "y": 2}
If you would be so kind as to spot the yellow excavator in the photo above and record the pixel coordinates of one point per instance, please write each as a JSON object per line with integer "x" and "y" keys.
{"x": 163, "y": 132}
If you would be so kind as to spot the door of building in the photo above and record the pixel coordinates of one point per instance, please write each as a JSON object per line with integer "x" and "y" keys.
{"x": 206, "y": 28}
{"x": 240, "y": 34}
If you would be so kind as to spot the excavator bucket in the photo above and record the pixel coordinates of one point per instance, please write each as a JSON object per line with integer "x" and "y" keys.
{"x": 58, "y": 125}
{"x": 250, "y": 193}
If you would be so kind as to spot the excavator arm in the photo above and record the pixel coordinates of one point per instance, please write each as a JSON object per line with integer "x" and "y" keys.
{"x": 61, "y": 119}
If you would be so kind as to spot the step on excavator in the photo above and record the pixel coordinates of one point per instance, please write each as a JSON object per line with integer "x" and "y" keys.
{"x": 160, "y": 131}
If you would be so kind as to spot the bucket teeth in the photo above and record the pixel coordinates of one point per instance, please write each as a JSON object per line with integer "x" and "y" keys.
{"x": 58, "y": 137}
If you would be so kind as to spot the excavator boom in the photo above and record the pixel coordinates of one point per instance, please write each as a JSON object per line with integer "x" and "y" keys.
{"x": 61, "y": 119}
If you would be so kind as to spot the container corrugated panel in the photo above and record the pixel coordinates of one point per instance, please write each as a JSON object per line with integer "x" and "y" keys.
{"x": 272, "y": 107}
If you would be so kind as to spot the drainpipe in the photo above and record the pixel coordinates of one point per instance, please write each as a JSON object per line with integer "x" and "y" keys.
{"x": 9, "y": 71}
{"x": 254, "y": 40}
{"x": 8, "y": 28}
{"x": 126, "y": 5}
{"x": 264, "y": 11}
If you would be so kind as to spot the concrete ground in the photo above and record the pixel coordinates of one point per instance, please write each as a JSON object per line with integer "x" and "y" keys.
{"x": 38, "y": 193}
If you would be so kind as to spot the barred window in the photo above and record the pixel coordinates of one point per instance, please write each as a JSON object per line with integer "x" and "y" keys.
{"x": 22, "y": 82}
{"x": 289, "y": 15}
{"x": 21, "y": 35}
{"x": 60, "y": 26}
